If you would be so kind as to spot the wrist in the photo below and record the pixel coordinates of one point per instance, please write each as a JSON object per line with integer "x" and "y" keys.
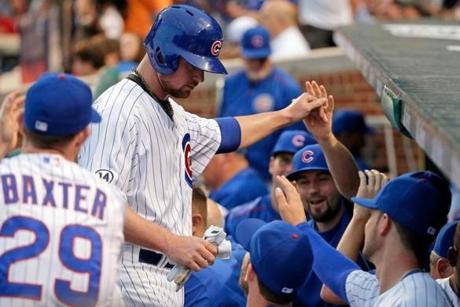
{"x": 327, "y": 140}
{"x": 167, "y": 243}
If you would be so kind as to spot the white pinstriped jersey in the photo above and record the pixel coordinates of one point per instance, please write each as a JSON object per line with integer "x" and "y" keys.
{"x": 445, "y": 285}
{"x": 60, "y": 234}
{"x": 149, "y": 157}
{"x": 417, "y": 290}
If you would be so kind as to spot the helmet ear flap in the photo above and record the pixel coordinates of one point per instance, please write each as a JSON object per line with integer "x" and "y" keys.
{"x": 165, "y": 65}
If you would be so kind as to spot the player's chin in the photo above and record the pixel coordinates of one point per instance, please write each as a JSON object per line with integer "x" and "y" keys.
{"x": 182, "y": 93}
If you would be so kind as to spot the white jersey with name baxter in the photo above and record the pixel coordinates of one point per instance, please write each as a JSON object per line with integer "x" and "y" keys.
{"x": 416, "y": 289}
{"x": 61, "y": 234}
{"x": 149, "y": 156}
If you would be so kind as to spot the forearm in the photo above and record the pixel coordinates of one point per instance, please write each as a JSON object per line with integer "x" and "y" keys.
{"x": 331, "y": 267}
{"x": 141, "y": 232}
{"x": 256, "y": 127}
{"x": 341, "y": 165}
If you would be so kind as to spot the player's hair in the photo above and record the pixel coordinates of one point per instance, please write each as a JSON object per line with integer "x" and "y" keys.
{"x": 457, "y": 237}
{"x": 419, "y": 245}
{"x": 199, "y": 201}
{"x": 47, "y": 141}
{"x": 268, "y": 294}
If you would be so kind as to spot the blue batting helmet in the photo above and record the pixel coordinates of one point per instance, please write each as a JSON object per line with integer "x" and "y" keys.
{"x": 187, "y": 32}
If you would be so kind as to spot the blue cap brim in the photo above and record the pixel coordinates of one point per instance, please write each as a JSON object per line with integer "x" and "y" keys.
{"x": 95, "y": 117}
{"x": 365, "y": 202}
{"x": 209, "y": 64}
{"x": 245, "y": 230}
{"x": 255, "y": 54}
{"x": 294, "y": 175}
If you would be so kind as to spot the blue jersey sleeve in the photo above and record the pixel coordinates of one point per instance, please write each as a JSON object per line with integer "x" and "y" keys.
{"x": 230, "y": 132}
{"x": 329, "y": 265}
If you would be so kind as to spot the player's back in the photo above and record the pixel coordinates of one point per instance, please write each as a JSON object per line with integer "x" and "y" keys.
{"x": 61, "y": 232}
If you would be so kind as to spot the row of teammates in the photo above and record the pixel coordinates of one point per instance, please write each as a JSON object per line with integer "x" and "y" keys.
{"x": 61, "y": 254}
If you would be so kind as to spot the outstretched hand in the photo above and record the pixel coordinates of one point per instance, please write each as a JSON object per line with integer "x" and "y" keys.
{"x": 304, "y": 105}
{"x": 10, "y": 110}
{"x": 290, "y": 205}
{"x": 319, "y": 121}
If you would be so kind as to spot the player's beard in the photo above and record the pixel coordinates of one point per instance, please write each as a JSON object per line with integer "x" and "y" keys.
{"x": 333, "y": 207}
{"x": 260, "y": 74}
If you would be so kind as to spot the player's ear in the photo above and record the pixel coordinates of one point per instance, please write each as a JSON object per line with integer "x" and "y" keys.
{"x": 197, "y": 223}
{"x": 444, "y": 268}
{"x": 384, "y": 224}
{"x": 250, "y": 274}
{"x": 21, "y": 122}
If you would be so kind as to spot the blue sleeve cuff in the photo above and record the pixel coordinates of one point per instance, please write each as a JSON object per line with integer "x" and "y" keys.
{"x": 230, "y": 132}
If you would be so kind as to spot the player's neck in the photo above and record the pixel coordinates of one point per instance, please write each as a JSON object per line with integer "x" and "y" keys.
{"x": 328, "y": 225}
{"x": 28, "y": 148}
{"x": 150, "y": 77}
{"x": 393, "y": 263}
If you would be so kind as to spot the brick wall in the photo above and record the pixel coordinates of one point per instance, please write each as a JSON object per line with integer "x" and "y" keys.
{"x": 342, "y": 80}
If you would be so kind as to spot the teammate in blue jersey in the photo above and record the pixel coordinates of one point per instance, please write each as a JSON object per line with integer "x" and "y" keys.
{"x": 328, "y": 210}
{"x": 397, "y": 227}
{"x": 216, "y": 285}
{"x": 231, "y": 181}
{"x": 260, "y": 87}
{"x": 280, "y": 164}
{"x": 439, "y": 263}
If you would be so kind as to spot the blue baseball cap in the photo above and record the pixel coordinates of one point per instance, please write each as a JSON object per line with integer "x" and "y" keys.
{"x": 418, "y": 201}
{"x": 255, "y": 43}
{"x": 348, "y": 120}
{"x": 59, "y": 104}
{"x": 292, "y": 140}
{"x": 280, "y": 254}
{"x": 309, "y": 158}
{"x": 445, "y": 239}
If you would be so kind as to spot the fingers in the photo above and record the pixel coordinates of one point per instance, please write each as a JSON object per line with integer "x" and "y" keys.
{"x": 370, "y": 178}
{"x": 377, "y": 180}
{"x": 330, "y": 103}
{"x": 280, "y": 198}
{"x": 362, "y": 179}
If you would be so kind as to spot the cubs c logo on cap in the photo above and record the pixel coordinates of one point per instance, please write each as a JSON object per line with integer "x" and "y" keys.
{"x": 216, "y": 47}
{"x": 307, "y": 156}
{"x": 257, "y": 41}
{"x": 187, "y": 148}
{"x": 298, "y": 140}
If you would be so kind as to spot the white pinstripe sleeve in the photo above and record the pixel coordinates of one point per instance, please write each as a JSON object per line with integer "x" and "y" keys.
{"x": 110, "y": 149}
{"x": 205, "y": 139}
{"x": 362, "y": 289}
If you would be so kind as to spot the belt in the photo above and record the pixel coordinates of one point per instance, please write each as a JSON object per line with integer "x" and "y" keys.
{"x": 153, "y": 258}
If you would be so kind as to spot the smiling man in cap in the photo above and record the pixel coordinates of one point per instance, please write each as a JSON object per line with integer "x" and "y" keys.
{"x": 403, "y": 221}
{"x": 264, "y": 207}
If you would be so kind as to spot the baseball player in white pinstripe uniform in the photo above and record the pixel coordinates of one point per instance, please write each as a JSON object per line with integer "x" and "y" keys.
{"x": 61, "y": 227}
{"x": 153, "y": 149}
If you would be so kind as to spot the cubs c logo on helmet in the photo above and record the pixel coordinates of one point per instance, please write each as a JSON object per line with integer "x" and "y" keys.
{"x": 187, "y": 148}
{"x": 216, "y": 47}
{"x": 307, "y": 156}
{"x": 298, "y": 140}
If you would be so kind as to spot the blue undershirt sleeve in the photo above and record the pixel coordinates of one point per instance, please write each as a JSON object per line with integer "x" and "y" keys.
{"x": 331, "y": 267}
{"x": 230, "y": 132}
